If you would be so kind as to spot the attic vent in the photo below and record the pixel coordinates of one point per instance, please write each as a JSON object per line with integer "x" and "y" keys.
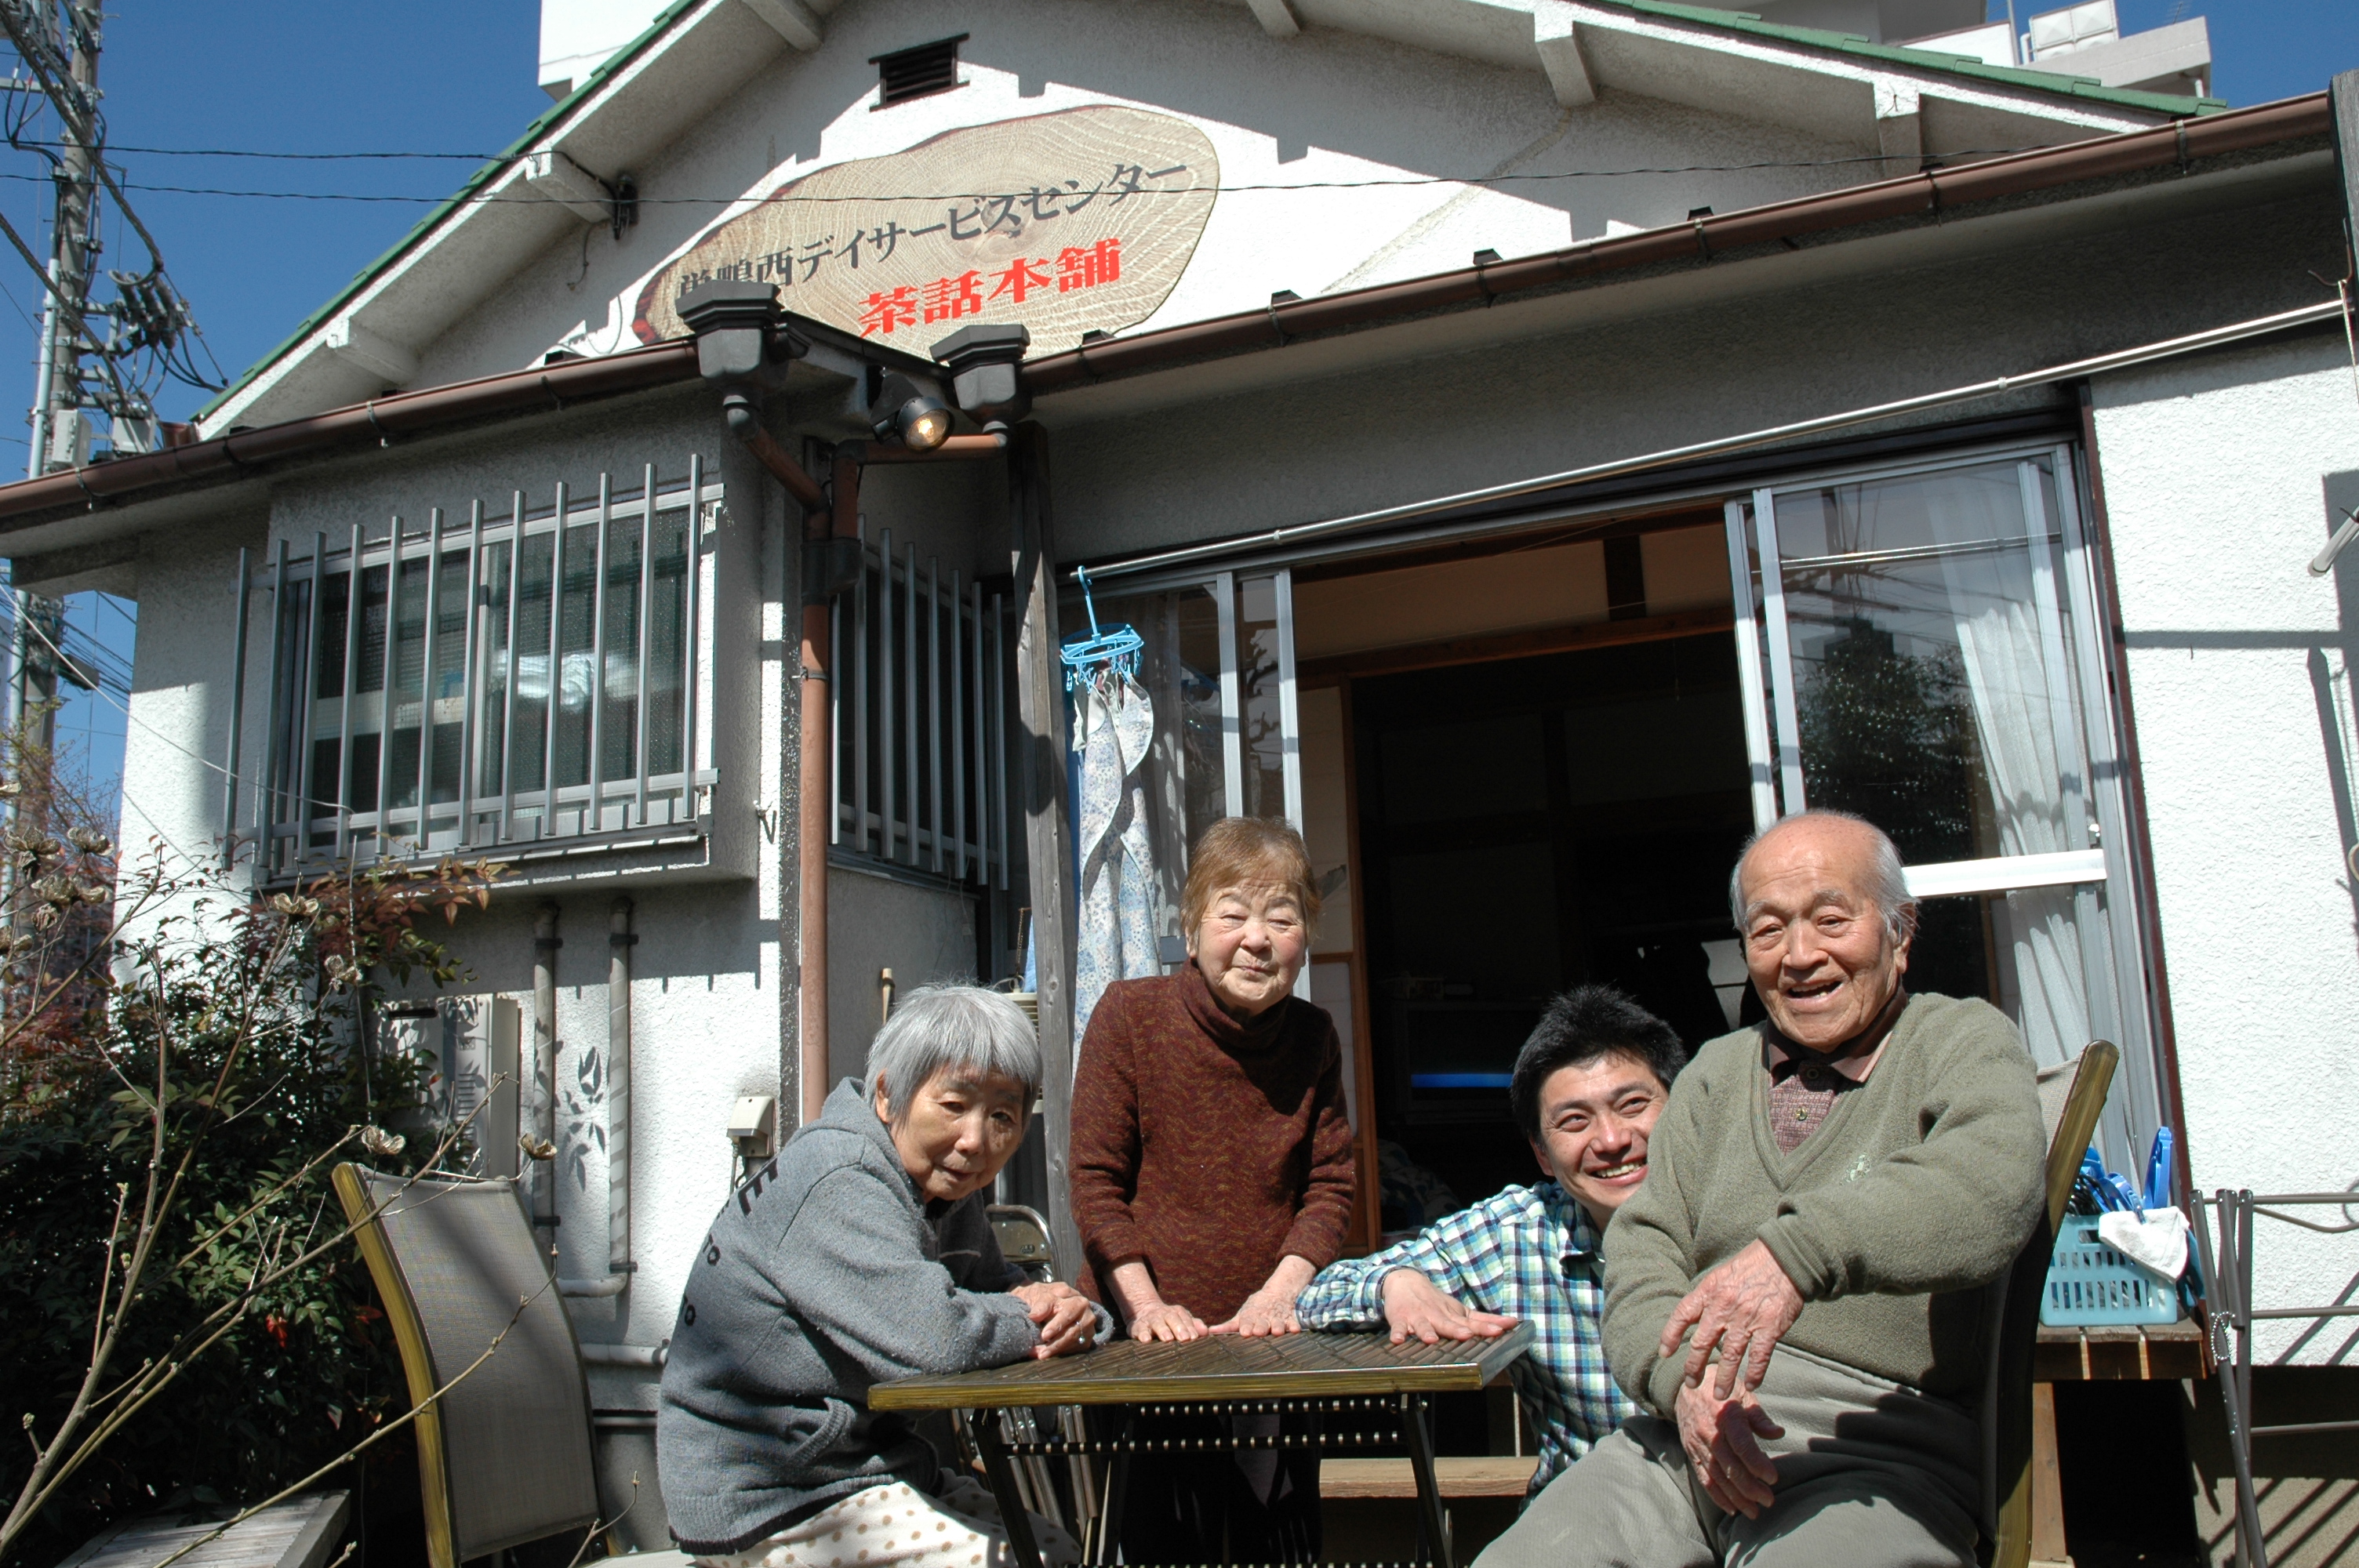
{"x": 914, "y": 73}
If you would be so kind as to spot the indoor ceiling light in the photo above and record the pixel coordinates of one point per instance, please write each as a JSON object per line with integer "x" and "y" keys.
{"x": 909, "y": 417}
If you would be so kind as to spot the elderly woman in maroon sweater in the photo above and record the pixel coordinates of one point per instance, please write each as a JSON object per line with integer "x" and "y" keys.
{"x": 1212, "y": 1169}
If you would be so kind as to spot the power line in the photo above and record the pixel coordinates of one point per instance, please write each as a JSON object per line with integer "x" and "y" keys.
{"x": 1016, "y": 196}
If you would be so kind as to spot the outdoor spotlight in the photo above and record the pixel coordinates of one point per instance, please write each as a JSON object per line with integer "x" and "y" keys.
{"x": 909, "y": 417}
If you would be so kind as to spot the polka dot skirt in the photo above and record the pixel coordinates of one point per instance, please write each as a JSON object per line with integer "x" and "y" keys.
{"x": 896, "y": 1526}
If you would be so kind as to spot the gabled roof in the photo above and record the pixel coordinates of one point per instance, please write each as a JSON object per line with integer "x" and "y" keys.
{"x": 698, "y": 51}
{"x": 1749, "y": 23}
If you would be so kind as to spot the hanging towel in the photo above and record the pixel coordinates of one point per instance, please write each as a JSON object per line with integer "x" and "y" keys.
{"x": 1119, "y": 892}
{"x": 2155, "y": 1239}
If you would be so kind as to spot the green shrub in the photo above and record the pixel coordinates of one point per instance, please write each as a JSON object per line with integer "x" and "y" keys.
{"x": 194, "y": 1110}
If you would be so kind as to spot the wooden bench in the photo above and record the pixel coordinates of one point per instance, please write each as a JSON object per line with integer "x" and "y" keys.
{"x": 297, "y": 1533}
{"x": 1456, "y": 1477}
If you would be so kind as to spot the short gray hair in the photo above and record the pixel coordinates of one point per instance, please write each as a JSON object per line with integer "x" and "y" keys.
{"x": 1887, "y": 879}
{"x": 951, "y": 1028}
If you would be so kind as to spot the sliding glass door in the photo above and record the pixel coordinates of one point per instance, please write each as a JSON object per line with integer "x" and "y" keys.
{"x": 1917, "y": 646}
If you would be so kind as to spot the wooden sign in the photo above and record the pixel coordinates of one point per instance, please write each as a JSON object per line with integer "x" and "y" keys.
{"x": 1076, "y": 221}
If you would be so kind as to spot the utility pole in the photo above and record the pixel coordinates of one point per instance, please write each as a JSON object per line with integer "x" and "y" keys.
{"x": 67, "y": 35}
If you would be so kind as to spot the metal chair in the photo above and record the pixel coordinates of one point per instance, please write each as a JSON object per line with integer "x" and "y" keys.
{"x": 505, "y": 1453}
{"x": 2071, "y": 1098}
{"x": 1023, "y": 1235}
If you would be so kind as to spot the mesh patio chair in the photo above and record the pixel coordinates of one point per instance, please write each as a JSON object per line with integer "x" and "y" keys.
{"x": 2070, "y": 1097}
{"x": 505, "y": 1456}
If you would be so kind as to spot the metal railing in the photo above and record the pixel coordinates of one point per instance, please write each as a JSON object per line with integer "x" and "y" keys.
{"x": 2228, "y": 1266}
{"x": 500, "y": 681}
{"x": 920, "y": 720}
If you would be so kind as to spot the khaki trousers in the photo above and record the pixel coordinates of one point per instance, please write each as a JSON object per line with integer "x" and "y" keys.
{"x": 1870, "y": 1475}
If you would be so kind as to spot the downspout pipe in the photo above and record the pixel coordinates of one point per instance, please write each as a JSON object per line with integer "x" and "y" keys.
{"x": 620, "y": 940}
{"x": 745, "y": 343}
{"x": 544, "y": 944}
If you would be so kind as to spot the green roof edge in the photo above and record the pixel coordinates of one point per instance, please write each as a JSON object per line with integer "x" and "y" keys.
{"x": 2082, "y": 87}
{"x": 549, "y": 117}
{"x": 1743, "y": 22}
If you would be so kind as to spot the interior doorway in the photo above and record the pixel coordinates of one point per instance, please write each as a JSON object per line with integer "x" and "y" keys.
{"x": 1526, "y": 825}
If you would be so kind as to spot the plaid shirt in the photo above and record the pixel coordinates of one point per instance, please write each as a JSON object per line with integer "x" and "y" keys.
{"x": 1530, "y": 1254}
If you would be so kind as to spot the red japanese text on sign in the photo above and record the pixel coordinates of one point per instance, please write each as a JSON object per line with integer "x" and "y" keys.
{"x": 949, "y": 298}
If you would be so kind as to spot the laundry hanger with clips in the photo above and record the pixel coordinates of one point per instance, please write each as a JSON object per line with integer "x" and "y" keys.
{"x": 1115, "y": 648}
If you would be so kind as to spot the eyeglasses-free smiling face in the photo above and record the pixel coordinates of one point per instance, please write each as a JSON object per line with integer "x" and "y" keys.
{"x": 1595, "y": 1118}
{"x": 960, "y": 1128}
{"x": 1250, "y": 946}
{"x": 1820, "y": 951}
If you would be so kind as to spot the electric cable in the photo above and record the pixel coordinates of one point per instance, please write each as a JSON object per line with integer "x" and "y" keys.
{"x": 873, "y": 198}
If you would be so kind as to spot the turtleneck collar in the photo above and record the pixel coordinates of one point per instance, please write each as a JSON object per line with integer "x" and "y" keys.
{"x": 1255, "y": 1034}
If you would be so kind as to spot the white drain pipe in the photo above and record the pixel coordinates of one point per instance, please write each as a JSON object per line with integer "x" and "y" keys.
{"x": 619, "y": 1267}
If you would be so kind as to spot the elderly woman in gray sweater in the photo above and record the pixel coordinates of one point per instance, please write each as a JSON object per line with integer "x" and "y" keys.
{"x": 859, "y": 1254}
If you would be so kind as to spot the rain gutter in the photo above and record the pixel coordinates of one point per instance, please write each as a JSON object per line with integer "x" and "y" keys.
{"x": 1932, "y": 194}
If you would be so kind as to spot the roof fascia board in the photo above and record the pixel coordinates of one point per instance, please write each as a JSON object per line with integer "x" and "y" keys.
{"x": 2049, "y": 84}
{"x": 596, "y": 91}
{"x": 1881, "y": 72}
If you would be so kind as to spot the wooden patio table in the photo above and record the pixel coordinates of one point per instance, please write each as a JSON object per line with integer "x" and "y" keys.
{"x": 1221, "y": 1375}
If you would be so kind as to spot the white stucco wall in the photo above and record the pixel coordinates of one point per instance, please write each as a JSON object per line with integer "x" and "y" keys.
{"x": 924, "y": 934}
{"x": 2241, "y": 676}
{"x": 1313, "y": 118}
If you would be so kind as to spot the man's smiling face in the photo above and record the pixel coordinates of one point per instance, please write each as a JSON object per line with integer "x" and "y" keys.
{"x": 1822, "y": 953}
{"x": 1596, "y": 1117}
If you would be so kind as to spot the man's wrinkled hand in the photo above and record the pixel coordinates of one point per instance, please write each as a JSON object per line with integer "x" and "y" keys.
{"x": 1723, "y": 1438}
{"x": 1067, "y": 1322}
{"x": 1415, "y": 1305}
{"x": 1266, "y": 1311}
{"x": 1743, "y": 1308}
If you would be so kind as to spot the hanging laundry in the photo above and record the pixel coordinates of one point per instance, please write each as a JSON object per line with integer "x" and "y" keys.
{"x": 1117, "y": 926}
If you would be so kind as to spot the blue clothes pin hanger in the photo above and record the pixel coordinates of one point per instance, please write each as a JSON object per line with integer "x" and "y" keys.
{"x": 1114, "y": 648}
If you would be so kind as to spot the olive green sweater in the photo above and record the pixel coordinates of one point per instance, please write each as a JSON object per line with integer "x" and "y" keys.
{"x": 1920, "y": 1187}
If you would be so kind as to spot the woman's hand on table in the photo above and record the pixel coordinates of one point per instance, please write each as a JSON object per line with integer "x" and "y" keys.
{"x": 1145, "y": 1312}
{"x": 1066, "y": 1320}
{"x": 1166, "y": 1320}
{"x": 1415, "y": 1305}
{"x": 1270, "y": 1309}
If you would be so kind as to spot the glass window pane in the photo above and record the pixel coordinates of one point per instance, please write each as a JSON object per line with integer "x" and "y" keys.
{"x": 529, "y": 730}
{"x": 1264, "y": 731}
{"x": 666, "y": 599}
{"x": 576, "y": 681}
{"x": 1927, "y": 647}
{"x": 619, "y": 737}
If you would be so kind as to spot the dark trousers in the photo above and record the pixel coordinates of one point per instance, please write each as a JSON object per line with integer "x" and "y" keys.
{"x": 1226, "y": 1503}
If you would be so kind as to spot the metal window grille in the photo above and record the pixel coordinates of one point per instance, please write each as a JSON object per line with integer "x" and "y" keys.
{"x": 920, "y": 717}
{"x": 501, "y": 680}
{"x": 915, "y": 72}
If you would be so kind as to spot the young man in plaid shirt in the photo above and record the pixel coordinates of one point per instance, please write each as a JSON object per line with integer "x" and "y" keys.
{"x": 1587, "y": 1088}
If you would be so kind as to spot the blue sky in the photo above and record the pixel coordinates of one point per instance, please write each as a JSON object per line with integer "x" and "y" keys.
{"x": 457, "y": 77}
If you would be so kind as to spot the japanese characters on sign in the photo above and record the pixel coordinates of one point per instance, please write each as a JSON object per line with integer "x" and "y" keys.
{"x": 1086, "y": 220}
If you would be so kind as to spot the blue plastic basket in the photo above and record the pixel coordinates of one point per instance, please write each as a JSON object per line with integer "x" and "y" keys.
{"x": 2090, "y": 1285}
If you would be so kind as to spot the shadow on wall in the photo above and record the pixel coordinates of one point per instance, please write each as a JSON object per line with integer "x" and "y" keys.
{"x": 2342, "y": 500}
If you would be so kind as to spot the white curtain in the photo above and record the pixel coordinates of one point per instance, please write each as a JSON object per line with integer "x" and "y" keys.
{"x": 1121, "y": 900}
{"x": 2000, "y": 637}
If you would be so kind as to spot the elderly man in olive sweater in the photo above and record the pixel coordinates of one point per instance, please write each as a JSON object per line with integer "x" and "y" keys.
{"x": 1794, "y": 1297}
